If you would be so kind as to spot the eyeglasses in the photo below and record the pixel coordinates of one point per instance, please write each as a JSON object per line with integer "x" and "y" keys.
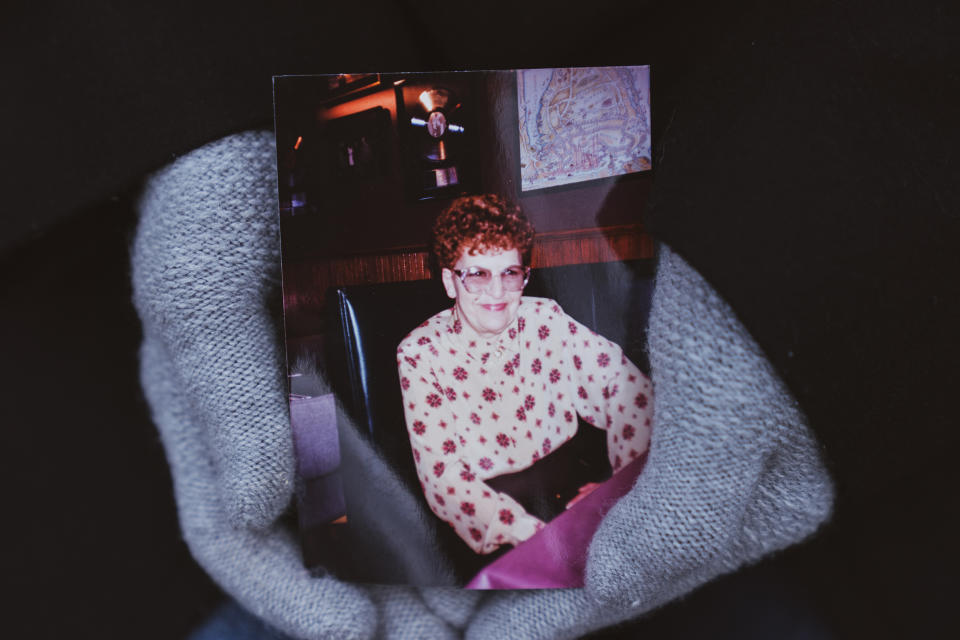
{"x": 478, "y": 280}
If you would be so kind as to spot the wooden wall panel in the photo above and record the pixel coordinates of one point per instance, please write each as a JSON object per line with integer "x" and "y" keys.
{"x": 305, "y": 283}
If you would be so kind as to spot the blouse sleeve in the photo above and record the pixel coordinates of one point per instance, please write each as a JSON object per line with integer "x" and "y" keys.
{"x": 484, "y": 518}
{"x": 610, "y": 392}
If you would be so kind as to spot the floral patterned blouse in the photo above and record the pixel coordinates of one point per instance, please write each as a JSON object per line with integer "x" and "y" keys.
{"x": 477, "y": 408}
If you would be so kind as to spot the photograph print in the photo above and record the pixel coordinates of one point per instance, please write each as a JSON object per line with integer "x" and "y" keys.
{"x": 469, "y": 389}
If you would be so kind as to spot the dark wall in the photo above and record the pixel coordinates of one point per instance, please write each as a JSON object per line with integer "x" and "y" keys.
{"x": 344, "y": 217}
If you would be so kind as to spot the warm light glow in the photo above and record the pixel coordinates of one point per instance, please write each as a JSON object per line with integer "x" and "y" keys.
{"x": 397, "y": 83}
{"x": 433, "y": 99}
{"x": 297, "y": 144}
{"x": 426, "y": 99}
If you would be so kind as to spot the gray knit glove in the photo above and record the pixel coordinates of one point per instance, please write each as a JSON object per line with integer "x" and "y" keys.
{"x": 205, "y": 263}
{"x": 732, "y": 474}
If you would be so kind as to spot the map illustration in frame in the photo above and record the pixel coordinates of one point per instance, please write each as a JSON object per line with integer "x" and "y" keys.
{"x": 579, "y": 124}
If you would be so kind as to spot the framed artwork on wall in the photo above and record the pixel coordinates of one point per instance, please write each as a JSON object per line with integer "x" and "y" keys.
{"x": 582, "y": 123}
{"x": 435, "y": 122}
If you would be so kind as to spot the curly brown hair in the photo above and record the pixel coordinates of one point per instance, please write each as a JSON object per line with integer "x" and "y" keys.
{"x": 476, "y": 223}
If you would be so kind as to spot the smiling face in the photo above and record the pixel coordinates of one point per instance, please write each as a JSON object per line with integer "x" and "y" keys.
{"x": 491, "y": 311}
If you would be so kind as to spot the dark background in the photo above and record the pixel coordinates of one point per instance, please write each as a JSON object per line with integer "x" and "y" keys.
{"x": 810, "y": 144}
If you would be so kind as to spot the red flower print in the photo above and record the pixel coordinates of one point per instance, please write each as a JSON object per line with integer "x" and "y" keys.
{"x": 521, "y": 323}
{"x": 554, "y": 376}
{"x": 535, "y": 456}
{"x": 512, "y": 333}
{"x": 489, "y": 394}
{"x": 451, "y": 491}
{"x": 460, "y": 374}
{"x": 551, "y": 410}
{"x": 605, "y": 392}
{"x": 568, "y": 416}
{"x": 580, "y": 392}
{"x": 404, "y": 383}
{"x": 510, "y": 461}
{"x": 449, "y": 446}
{"x": 439, "y": 499}
{"x": 457, "y": 326}
{"x": 423, "y": 340}
{"x": 438, "y": 469}
{"x": 547, "y": 446}
{"x": 411, "y": 361}
{"x": 572, "y": 327}
{"x": 467, "y": 476}
{"x": 475, "y": 534}
{"x": 528, "y": 403}
{"x": 521, "y": 414}
{"x": 451, "y": 394}
{"x": 506, "y": 516}
{"x": 508, "y": 368}
{"x": 467, "y": 508}
{"x": 485, "y": 463}
{"x": 529, "y": 435}
{"x": 474, "y": 418}
{"x": 536, "y": 365}
{"x": 603, "y": 359}
{"x": 419, "y": 427}
{"x": 434, "y": 400}
{"x": 516, "y": 360}
{"x": 503, "y": 439}
{"x": 436, "y": 385}
{"x": 628, "y": 432}
{"x": 416, "y": 455}
{"x": 632, "y": 378}
{"x": 484, "y": 358}
{"x": 543, "y": 331}
{"x": 617, "y": 463}
{"x": 640, "y": 401}
{"x": 577, "y": 362}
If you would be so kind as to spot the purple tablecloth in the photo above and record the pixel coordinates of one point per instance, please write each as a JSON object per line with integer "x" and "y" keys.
{"x": 556, "y": 557}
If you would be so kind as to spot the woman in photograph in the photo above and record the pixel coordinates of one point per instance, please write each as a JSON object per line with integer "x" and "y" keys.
{"x": 496, "y": 382}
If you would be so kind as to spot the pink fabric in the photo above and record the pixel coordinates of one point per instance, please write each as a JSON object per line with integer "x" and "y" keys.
{"x": 556, "y": 557}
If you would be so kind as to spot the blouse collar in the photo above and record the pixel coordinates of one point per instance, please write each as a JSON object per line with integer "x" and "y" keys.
{"x": 475, "y": 345}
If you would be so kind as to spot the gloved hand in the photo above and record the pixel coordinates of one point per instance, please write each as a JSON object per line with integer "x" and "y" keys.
{"x": 732, "y": 472}
{"x": 205, "y": 261}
